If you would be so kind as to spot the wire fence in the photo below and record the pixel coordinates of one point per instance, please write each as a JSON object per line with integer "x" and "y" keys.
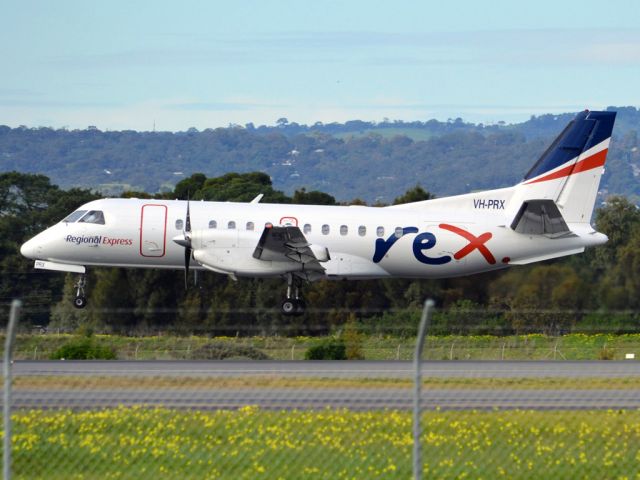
{"x": 446, "y": 347}
{"x": 505, "y": 409}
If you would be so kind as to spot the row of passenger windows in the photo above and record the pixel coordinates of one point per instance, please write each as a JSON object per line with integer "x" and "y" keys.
{"x": 307, "y": 228}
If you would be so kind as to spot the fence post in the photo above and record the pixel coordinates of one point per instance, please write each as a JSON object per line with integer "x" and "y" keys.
{"x": 417, "y": 390}
{"x": 16, "y": 305}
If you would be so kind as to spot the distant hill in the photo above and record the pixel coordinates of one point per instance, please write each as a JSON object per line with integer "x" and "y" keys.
{"x": 371, "y": 161}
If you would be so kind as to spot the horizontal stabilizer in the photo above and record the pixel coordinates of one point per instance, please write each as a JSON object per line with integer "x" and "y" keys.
{"x": 540, "y": 217}
{"x": 548, "y": 256}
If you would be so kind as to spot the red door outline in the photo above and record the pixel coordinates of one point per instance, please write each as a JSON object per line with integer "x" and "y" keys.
{"x": 161, "y": 249}
{"x": 289, "y": 220}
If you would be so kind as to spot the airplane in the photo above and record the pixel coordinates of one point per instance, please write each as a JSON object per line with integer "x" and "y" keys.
{"x": 547, "y": 215}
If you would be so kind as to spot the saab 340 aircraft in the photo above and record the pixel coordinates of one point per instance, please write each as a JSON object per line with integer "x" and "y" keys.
{"x": 546, "y": 215}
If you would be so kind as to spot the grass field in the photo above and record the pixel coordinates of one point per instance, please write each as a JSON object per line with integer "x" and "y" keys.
{"x": 67, "y": 382}
{"x": 150, "y": 443}
{"x": 479, "y": 347}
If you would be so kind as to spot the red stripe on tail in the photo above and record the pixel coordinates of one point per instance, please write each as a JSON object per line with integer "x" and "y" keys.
{"x": 594, "y": 161}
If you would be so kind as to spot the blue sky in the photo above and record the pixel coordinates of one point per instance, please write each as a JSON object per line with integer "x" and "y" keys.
{"x": 127, "y": 65}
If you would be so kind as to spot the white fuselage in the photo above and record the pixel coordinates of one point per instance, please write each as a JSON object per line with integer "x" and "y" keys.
{"x": 440, "y": 239}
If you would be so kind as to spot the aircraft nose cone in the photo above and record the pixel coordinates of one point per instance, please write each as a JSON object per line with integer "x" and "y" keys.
{"x": 28, "y": 249}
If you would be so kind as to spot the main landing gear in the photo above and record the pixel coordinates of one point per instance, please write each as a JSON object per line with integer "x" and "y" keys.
{"x": 80, "y": 301}
{"x": 293, "y": 304}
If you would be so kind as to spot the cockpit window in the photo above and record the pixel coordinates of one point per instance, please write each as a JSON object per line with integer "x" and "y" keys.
{"x": 94, "y": 216}
{"x": 74, "y": 216}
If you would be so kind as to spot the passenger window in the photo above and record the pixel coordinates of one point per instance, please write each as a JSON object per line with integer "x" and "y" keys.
{"x": 213, "y": 224}
{"x": 362, "y": 230}
{"x": 179, "y": 224}
{"x": 398, "y": 232}
{"x": 94, "y": 216}
{"x": 231, "y": 225}
{"x": 250, "y": 226}
{"x": 325, "y": 229}
{"x": 74, "y": 216}
{"x": 380, "y": 231}
{"x": 344, "y": 229}
{"x": 306, "y": 228}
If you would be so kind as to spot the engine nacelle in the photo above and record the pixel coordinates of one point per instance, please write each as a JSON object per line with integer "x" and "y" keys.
{"x": 232, "y": 238}
{"x": 231, "y": 251}
{"x": 240, "y": 261}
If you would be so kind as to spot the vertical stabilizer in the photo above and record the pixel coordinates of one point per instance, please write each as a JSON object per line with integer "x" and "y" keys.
{"x": 569, "y": 171}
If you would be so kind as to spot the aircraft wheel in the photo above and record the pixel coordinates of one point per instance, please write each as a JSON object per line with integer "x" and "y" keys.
{"x": 80, "y": 302}
{"x": 289, "y": 307}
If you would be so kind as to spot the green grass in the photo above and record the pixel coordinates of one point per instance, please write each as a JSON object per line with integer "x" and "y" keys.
{"x": 374, "y": 347}
{"x": 149, "y": 443}
{"x": 68, "y": 382}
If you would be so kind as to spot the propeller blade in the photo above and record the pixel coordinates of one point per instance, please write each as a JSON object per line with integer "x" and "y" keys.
{"x": 186, "y": 243}
{"x": 187, "y": 261}
{"x": 187, "y": 223}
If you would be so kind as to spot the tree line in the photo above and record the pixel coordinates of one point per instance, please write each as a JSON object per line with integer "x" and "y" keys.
{"x": 356, "y": 159}
{"x": 597, "y": 290}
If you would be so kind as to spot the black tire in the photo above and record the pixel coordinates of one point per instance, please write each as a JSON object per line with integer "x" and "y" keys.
{"x": 289, "y": 307}
{"x": 80, "y": 302}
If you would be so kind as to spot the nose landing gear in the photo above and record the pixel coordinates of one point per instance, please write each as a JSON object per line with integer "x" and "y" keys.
{"x": 80, "y": 300}
{"x": 293, "y": 304}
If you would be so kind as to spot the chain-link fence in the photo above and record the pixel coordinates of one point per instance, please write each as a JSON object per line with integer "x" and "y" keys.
{"x": 502, "y": 408}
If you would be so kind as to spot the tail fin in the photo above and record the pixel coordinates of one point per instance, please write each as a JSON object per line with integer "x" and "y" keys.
{"x": 569, "y": 172}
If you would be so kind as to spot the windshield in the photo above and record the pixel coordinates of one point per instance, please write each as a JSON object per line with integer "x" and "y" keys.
{"x": 74, "y": 216}
{"x": 94, "y": 216}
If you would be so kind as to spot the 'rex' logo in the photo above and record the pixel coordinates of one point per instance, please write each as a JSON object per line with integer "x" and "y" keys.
{"x": 425, "y": 241}
{"x": 474, "y": 243}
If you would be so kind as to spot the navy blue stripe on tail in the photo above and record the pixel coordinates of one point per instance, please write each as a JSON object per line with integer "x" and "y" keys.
{"x": 585, "y": 131}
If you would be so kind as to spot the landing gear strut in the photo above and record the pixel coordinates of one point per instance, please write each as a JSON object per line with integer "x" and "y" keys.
{"x": 293, "y": 304}
{"x": 80, "y": 301}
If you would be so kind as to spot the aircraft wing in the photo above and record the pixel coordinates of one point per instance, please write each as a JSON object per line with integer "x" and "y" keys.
{"x": 279, "y": 243}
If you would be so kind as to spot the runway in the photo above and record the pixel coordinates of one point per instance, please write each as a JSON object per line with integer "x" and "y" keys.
{"x": 333, "y": 369}
{"x": 364, "y": 396}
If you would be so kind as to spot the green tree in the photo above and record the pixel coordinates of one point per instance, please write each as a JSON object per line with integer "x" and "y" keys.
{"x": 313, "y": 197}
{"x": 617, "y": 219}
{"x": 29, "y": 204}
{"x": 547, "y": 298}
{"x": 240, "y": 187}
{"x": 188, "y": 187}
{"x": 415, "y": 194}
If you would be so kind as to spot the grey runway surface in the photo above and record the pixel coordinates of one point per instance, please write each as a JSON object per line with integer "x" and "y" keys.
{"x": 373, "y": 396}
{"x": 333, "y": 369}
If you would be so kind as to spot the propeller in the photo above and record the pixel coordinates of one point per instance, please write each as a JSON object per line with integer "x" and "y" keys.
{"x": 188, "y": 249}
{"x": 185, "y": 241}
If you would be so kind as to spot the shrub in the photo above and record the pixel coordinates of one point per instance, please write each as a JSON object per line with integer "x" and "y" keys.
{"x": 353, "y": 340}
{"x": 327, "y": 349}
{"x": 218, "y": 350}
{"x": 606, "y": 353}
{"x": 84, "y": 349}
